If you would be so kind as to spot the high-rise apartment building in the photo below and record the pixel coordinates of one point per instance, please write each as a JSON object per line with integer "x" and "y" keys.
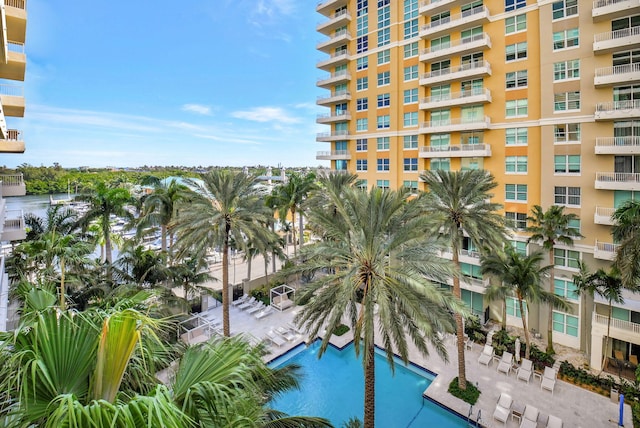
{"x": 544, "y": 94}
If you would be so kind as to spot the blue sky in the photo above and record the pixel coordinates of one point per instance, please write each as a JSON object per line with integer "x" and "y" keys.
{"x": 182, "y": 82}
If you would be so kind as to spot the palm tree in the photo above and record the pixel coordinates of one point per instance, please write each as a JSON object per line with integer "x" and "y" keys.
{"x": 626, "y": 231}
{"x": 376, "y": 281}
{"x": 160, "y": 207}
{"x": 607, "y": 285}
{"x": 104, "y": 202}
{"x": 228, "y": 205}
{"x": 190, "y": 273}
{"x": 458, "y": 204}
{"x": 58, "y": 217}
{"x": 552, "y": 227}
{"x": 141, "y": 265}
{"x": 524, "y": 275}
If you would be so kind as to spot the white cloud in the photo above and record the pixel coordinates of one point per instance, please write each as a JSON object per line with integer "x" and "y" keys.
{"x": 275, "y": 7}
{"x": 197, "y": 108}
{"x": 265, "y": 114}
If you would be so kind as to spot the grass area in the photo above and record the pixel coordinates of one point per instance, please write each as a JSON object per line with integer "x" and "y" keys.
{"x": 470, "y": 395}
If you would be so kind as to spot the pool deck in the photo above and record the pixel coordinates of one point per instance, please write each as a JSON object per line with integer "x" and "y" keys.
{"x": 576, "y": 406}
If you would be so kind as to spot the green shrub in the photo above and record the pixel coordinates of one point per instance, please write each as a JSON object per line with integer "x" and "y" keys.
{"x": 473, "y": 329}
{"x": 340, "y": 330}
{"x": 470, "y": 395}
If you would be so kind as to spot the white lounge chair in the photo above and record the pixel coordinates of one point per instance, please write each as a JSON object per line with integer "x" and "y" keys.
{"x": 248, "y": 304}
{"x": 241, "y": 300}
{"x": 503, "y": 408}
{"x": 264, "y": 313}
{"x": 505, "y": 363}
{"x": 548, "y": 379}
{"x": 554, "y": 422}
{"x": 256, "y": 308}
{"x": 295, "y": 328}
{"x": 286, "y": 333}
{"x": 275, "y": 339}
{"x": 529, "y": 417}
{"x": 525, "y": 370}
{"x": 486, "y": 355}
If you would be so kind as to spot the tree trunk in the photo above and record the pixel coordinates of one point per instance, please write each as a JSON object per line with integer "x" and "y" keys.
{"x": 550, "y": 318}
{"x": 504, "y": 314}
{"x": 63, "y": 305}
{"x": 301, "y": 229}
{"x": 107, "y": 247}
{"x": 369, "y": 387}
{"x": 293, "y": 229}
{"x": 225, "y": 282}
{"x": 163, "y": 237}
{"x": 606, "y": 344}
{"x": 524, "y": 326}
{"x": 462, "y": 372}
{"x": 266, "y": 271}
{"x": 249, "y": 258}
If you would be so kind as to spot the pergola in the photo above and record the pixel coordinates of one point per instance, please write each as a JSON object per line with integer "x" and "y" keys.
{"x": 282, "y": 297}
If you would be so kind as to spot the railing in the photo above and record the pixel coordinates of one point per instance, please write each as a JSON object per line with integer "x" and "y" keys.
{"x": 425, "y": 3}
{"x": 454, "y": 148}
{"x": 604, "y": 3}
{"x": 14, "y": 220}
{"x": 605, "y": 212}
{"x": 618, "y": 177}
{"x": 460, "y": 121}
{"x": 19, "y": 4}
{"x": 342, "y": 115}
{"x": 464, "y": 67}
{"x": 618, "y": 105}
{"x": 335, "y": 55}
{"x": 618, "y": 69}
{"x": 333, "y": 153}
{"x": 337, "y": 34}
{"x": 470, "y": 253}
{"x": 337, "y": 75}
{"x": 607, "y": 247}
{"x": 456, "y": 43}
{"x": 334, "y": 94}
{"x": 467, "y": 13}
{"x": 617, "y": 141}
{"x": 4, "y": 297}
{"x": 12, "y": 180}
{"x": 617, "y": 34}
{"x": 14, "y": 135}
{"x": 12, "y": 90}
{"x": 333, "y": 134}
{"x": 456, "y": 95}
{"x": 616, "y": 323}
{"x": 335, "y": 16}
{"x": 16, "y": 47}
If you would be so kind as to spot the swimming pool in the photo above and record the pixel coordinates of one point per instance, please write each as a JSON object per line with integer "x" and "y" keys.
{"x": 333, "y": 388}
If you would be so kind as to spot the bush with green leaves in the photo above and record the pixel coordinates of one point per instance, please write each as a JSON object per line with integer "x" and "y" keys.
{"x": 470, "y": 395}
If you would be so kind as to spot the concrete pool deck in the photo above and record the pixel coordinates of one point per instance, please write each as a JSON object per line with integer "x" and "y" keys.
{"x": 576, "y": 406}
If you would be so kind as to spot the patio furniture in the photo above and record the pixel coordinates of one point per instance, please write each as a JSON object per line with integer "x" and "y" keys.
{"x": 503, "y": 407}
{"x": 264, "y": 313}
{"x": 554, "y": 422}
{"x": 529, "y": 417}
{"x": 505, "y": 363}
{"x": 486, "y": 355}
{"x": 548, "y": 379}
{"x": 525, "y": 370}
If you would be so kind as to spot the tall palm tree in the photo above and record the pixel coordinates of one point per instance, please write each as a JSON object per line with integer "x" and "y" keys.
{"x": 228, "y": 205}
{"x": 376, "y": 280}
{"x": 160, "y": 207}
{"x": 189, "y": 273}
{"x": 626, "y": 231}
{"x": 458, "y": 204}
{"x": 607, "y": 285}
{"x": 58, "y": 217}
{"x": 524, "y": 275}
{"x": 104, "y": 202}
{"x": 288, "y": 197}
{"x": 552, "y": 227}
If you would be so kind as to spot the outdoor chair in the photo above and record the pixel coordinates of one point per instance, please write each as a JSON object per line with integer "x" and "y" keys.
{"x": 530, "y": 417}
{"x": 525, "y": 370}
{"x": 503, "y": 408}
{"x": 486, "y": 355}
{"x": 548, "y": 379}
{"x": 505, "y": 363}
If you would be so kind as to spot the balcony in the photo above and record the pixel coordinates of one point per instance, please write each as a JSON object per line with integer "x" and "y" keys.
{"x": 16, "y": 15}
{"x": 12, "y": 100}
{"x": 625, "y": 39}
{"x": 335, "y": 97}
{"x": 461, "y": 72}
{"x": 13, "y": 143}
{"x": 618, "y": 145}
{"x": 335, "y": 59}
{"x": 457, "y": 47}
{"x": 605, "y": 10}
{"x": 332, "y": 136}
{"x": 333, "y": 117}
{"x": 334, "y": 155}
{"x": 326, "y": 7}
{"x": 612, "y": 110}
{"x": 431, "y": 7}
{"x": 14, "y": 67}
{"x": 339, "y": 38}
{"x": 474, "y": 96}
{"x": 333, "y": 79}
{"x": 456, "y": 151}
{"x": 618, "y": 181}
{"x": 477, "y": 16}
{"x": 455, "y": 125}
{"x": 12, "y": 185}
{"x": 607, "y": 76}
{"x": 13, "y": 226}
{"x": 337, "y": 20}
{"x": 603, "y": 216}
{"x": 617, "y": 326}
{"x": 605, "y": 250}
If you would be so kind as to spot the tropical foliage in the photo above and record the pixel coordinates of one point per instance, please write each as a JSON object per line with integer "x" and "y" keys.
{"x": 626, "y": 231}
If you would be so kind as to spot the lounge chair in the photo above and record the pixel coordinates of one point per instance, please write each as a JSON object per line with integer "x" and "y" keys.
{"x": 264, "y": 312}
{"x": 241, "y": 300}
{"x": 275, "y": 339}
{"x": 554, "y": 422}
{"x": 486, "y": 355}
{"x": 529, "y": 417}
{"x": 256, "y": 308}
{"x": 548, "y": 379}
{"x": 503, "y": 408}
{"x": 525, "y": 370}
{"x": 296, "y": 328}
{"x": 505, "y": 363}
{"x": 248, "y": 303}
{"x": 286, "y": 333}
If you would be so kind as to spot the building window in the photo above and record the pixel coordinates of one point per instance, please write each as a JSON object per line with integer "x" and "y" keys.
{"x": 567, "y": 196}
{"x": 515, "y": 24}
{"x": 626, "y": 58}
{"x": 410, "y": 73}
{"x": 565, "y": 323}
{"x": 383, "y": 184}
{"x": 362, "y": 63}
{"x": 567, "y": 133}
{"x": 439, "y": 43}
{"x": 411, "y": 29}
{"x": 510, "y": 5}
{"x": 516, "y": 164}
{"x": 520, "y": 247}
{"x": 565, "y": 288}
{"x": 411, "y": 50}
{"x": 470, "y": 271}
{"x": 516, "y": 51}
{"x": 566, "y": 164}
{"x": 565, "y": 8}
{"x": 384, "y": 121}
{"x": 383, "y": 100}
{"x": 517, "y": 108}
{"x": 566, "y": 70}
{"x": 517, "y": 136}
{"x": 384, "y": 37}
{"x": 412, "y": 185}
{"x": 362, "y": 124}
{"x": 384, "y": 56}
{"x": 516, "y": 220}
{"x": 362, "y": 44}
{"x": 441, "y": 164}
{"x": 575, "y": 225}
{"x": 515, "y": 192}
{"x": 566, "y": 101}
{"x": 410, "y": 164}
{"x": 513, "y": 307}
{"x": 382, "y": 143}
{"x": 411, "y": 96}
{"x": 362, "y": 104}
{"x": 383, "y": 165}
{"x": 440, "y": 18}
{"x": 362, "y": 145}
{"x": 410, "y": 141}
{"x": 362, "y": 24}
{"x": 384, "y": 78}
{"x": 566, "y": 258}
{"x": 517, "y": 79}
{"x": 361, "y": 164}
{"x": 410, "y": 9}
{"x": 410, "y": 119}
{"x": 440, "y": 117}
{"x": 362, "y": 83}
{"x": 566, "y": 39}
{"x": 362, "y": 185}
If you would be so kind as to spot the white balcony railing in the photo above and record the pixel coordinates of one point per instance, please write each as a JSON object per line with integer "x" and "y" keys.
{"x": 457, "y": 96}
{"x": 611, "y": 106}
{"x": 12, "y": 180}
{"x": 16, "y": 47}
{"x": 454, "y": 19}
{"x": 617, "y": 145}
{"x": 333, "y": 19}
{"x": 618, "y": 177}
{"x": 345, "y": 115}
{"x": 459, "y": 150}
{"x": 19, "y": 4}
{"x": 335, "y": 154}
{"x": 14, "y": 135}
{"x": 617, "y": 70}
{"x": 460, "y": 68}
{"x": 603, "y": 215}
{"x": 330, "y": 135}
{"x": 483, "y": 37}
{"x": 617, "y": 34}
{"x": 480, "y": 121}
{"x": 12, "y": 90}
{"x": 603, "y": 320}
{"x": 341, "y": 75}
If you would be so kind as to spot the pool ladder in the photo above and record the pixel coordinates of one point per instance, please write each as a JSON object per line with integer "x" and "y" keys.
{"x": 470, "y": 421}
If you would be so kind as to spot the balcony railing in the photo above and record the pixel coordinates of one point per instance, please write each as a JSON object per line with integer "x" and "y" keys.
{"x": 12, "y": 180}
{"x": 327, "y": 136}
{"x": 454, "y": 20}
{"x": 484, "y": 37}
{"x": 334, "y": 57}
{"x": 460, "y": 68}
{"x": 344, "y": 94}
{"x": 328, "y": 117}
{"x": 14, "y": 135}
{"x": 19, "y": 4}
{"x": 460, "y": 150}
{"x": 603, "y": 215}
{"x": 476, "y": 92}
{"x": 335, "y": 154}
{"x": 618, "y": 177}
{"x": 429, "y": 6}
{"x": 333, "y": 77}
{"x": 617, "y": 34}
{"x": 334, "y": 38}
{"x": 613, "y": 106}
{"x": 621, "y": 71}
{"x": 333, "y": 19}
{"x": 609, "y": 9}
{"x": 16, "y": 47}
{"x": 616, "y": 323}
{"x": 12, "y": 90}
{"x": 481, "y": 122}
{"x": 618, "y": 145}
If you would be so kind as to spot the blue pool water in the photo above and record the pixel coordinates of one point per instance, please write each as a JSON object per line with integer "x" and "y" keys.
{"x": 333, "y": 388}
